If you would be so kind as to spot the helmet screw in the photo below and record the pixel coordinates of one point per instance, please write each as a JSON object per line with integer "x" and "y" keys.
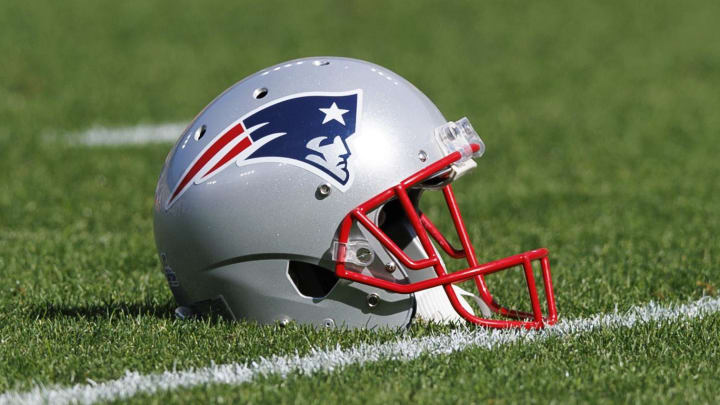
{"x": 373, "y": 300}
{"x": 364, "y": 255}
{"x": 323, "y": 191}
{"x": 390, "y": 267}
{"x": 284, "y": 322}
{"x": 422, "y": 155}
{"x": 328, "y": 323}
{"x": 183, "y": 312}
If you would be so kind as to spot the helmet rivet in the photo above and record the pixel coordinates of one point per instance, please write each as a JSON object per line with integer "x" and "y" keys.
{"x": 284, "y": 322}
{"x": 364, "y": 255}
{"x": 328, "y": 323}
{"x": 422, "y": 155}
{"x": 390, "y": 267}
{"x": 323, "y": 190}
{"x": 373, "y": 300}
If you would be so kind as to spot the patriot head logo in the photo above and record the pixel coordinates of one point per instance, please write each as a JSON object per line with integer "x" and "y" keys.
{"x": 308, "y": 130}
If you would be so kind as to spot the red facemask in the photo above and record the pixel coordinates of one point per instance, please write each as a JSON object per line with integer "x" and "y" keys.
{"x": 425, "y": 229}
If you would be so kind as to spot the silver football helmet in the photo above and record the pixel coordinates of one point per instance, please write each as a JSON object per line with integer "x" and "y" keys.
{"x": 293, "y": 196}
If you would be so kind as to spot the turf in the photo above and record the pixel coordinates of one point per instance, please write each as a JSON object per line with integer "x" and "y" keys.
{"x": 640, "y": 365}
{"x": 601, "y": 121}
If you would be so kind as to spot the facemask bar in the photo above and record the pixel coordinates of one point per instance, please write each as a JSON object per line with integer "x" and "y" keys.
{"x": 425, "y": 228}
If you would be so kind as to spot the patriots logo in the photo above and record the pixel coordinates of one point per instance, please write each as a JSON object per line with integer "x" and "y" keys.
{"x": 308, "y": 130}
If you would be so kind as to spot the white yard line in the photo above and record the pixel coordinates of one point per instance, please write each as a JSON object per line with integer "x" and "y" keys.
{"x": 135, "y": 135}
{"x": 403, "y": 349}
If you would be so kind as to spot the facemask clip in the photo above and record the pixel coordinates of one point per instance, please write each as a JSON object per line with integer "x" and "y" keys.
{"x": 356, "y": 252}
{"x": 460, "y": 136}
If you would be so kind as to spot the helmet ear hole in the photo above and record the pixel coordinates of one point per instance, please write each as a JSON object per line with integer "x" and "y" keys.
{"x": 311, "y": 280}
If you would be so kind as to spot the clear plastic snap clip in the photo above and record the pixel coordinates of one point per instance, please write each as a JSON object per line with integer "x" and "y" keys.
{"x": 459, "y": 136}
{"x": 357, "y": 252}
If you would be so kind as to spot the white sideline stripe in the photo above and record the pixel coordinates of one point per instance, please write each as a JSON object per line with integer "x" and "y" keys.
{"x": 135, "y": 135}
{"x": 403, "y": 349}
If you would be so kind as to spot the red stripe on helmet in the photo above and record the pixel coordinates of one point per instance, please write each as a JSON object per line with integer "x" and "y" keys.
{"x": 241, "y": 146}
{"x": 213, "y": 150}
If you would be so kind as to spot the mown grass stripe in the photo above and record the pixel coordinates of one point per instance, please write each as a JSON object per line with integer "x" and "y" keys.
{"x": 403, "y": 349}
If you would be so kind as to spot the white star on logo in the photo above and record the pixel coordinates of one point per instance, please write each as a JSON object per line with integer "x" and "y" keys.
{"x": 333, "y": 113}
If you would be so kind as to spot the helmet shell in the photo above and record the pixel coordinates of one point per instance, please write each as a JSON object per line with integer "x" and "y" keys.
{"x": 232, "y": 237}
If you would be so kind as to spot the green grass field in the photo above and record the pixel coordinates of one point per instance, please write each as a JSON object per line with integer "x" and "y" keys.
{"x": 602, "y": 123}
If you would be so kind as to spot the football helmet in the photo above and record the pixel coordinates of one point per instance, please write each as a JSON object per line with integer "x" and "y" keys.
{"x": 293, "y": 196}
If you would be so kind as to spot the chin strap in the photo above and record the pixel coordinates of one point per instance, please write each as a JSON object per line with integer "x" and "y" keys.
{"x": 433, "y": 304}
